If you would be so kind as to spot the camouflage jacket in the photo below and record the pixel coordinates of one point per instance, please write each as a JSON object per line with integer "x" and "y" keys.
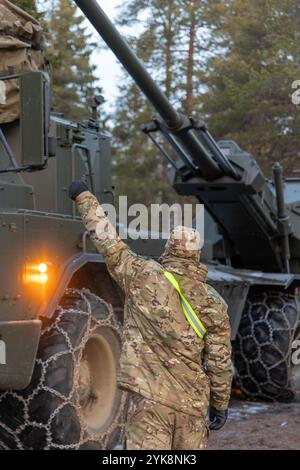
{"x": 162, "y": 357}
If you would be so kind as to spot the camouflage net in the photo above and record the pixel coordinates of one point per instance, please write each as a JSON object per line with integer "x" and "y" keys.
{"x": 263, "y": 348}
{"x": 48, "y": 415}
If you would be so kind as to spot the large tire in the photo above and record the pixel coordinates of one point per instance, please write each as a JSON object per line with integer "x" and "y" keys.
{"x": 73, "y": 401}
{"x": 263, "y": 350}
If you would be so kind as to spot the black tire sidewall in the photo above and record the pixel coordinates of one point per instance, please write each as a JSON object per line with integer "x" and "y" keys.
{"x": 268, "y": 327}
{"x": 47, "y": 414}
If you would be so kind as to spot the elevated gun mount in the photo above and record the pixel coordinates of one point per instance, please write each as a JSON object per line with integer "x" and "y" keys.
{"x": 247, "y": 209}
{"x": 198, "y": 149}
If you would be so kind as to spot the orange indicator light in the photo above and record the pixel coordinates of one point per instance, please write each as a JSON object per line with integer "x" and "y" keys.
{"x": 36, "y": 273}
{"x": 43, "y": 268}
{"x": 43, "y": 278}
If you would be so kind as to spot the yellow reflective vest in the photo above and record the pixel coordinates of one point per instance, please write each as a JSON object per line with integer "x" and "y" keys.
{"x": 189, "y": 313}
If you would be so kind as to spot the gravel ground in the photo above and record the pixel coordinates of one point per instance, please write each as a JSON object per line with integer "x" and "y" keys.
{"x": 259, "y": 426}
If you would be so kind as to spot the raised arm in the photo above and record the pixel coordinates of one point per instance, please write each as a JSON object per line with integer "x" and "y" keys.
{"x": 119, "y": 259}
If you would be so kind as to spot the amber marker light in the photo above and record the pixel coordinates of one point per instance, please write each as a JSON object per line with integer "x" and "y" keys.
{"x": 36, "y": 273}
{"x": 43, "y": 268}
{"x": 42, "y": 278}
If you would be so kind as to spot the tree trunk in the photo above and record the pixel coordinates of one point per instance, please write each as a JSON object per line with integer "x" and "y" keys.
{"x": 168, "y": 51}
{"x": 189, "y": 101}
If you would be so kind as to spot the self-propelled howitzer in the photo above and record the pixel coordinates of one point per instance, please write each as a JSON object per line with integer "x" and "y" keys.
{"x": 227, "y": 180}
{"x": 252, "y": 230}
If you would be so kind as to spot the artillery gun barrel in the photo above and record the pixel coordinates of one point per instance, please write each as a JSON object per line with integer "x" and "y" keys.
{"x": 203, "y": 153}
{"x": 132, "y": 64}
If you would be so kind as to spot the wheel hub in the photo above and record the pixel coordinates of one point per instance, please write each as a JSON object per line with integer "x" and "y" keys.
{"x": 97, "y": 382}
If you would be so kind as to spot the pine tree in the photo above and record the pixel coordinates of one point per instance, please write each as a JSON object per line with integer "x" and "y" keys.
{"x": 192, "y": 54}
{"x": 168, "y": 44}
{"x": 249, "y": 80}
{"x": 70, "y": 49}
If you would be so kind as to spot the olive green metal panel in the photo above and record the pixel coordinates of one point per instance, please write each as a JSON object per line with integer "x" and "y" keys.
{"x": 17, "y": 355}
{"x": 11, "y": 134}
{"x": 34, "y": 119}
{"x": 29, "y": 238}
{"x": 14, "y": 196}
{"x": 79, "y": 151}
{"x": 103, "y": 169}
{"x": 11, "y": 258}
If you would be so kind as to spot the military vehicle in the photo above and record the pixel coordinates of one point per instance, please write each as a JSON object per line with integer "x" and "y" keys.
{"x": 60, "y": 311}
{"x": 60, "y": 320}
{"x": 252, "y": 232}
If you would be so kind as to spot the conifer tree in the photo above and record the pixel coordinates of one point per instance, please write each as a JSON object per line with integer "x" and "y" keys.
{"x": 167, "y": 40}
{"x": 74, "y": 82}
{"x": 249, "y": 80}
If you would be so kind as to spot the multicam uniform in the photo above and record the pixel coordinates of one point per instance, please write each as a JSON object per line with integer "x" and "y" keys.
{"x": 21, "y": 39}
{"x": 162, "y": 355}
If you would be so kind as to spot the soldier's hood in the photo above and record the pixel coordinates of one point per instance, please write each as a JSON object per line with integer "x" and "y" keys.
{"x": 182, "y": 254}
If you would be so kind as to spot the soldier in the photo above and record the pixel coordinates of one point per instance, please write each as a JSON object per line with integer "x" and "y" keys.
{"x": 176, "y": 357}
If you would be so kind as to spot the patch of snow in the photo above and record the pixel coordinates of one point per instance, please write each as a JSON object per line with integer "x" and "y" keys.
{"x": 246, "y": 409}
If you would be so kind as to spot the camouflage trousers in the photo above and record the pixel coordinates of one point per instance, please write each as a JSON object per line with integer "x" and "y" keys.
{"x": 152, "y": 426}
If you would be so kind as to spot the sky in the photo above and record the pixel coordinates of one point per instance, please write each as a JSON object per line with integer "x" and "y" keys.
{"x": 108, "y": 68}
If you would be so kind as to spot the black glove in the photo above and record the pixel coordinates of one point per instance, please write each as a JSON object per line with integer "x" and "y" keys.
{"x": 76, "y": 188}
{"x": 217, "y": 418}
